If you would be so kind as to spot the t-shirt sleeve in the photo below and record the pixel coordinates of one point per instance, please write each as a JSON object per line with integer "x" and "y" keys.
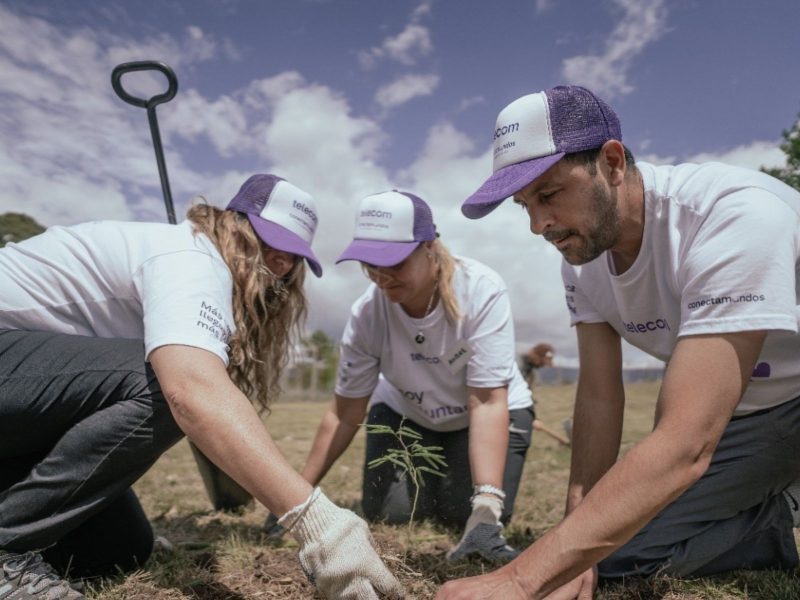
{"x": 186, "y": 300}
{"x": 359, "y": 352}
{"x": 490, "y": 333}
{"x": 580, "y": 308}
{"x": 738, "y": 273}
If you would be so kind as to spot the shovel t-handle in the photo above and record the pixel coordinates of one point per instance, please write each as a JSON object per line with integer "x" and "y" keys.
{"x": 150, "y": 104}
{"x": 144, "y": 65}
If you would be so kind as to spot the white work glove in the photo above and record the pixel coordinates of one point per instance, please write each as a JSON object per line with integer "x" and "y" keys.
{"x": 483, "y": 533}
{"x": 336, "y": 551}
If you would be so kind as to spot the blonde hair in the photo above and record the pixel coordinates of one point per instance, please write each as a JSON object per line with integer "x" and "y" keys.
{"x": 447, "y": 268}
{"x": 267, "y": 309}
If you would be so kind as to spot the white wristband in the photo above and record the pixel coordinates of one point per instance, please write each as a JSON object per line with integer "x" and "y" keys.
{"x": 487, "y": 488}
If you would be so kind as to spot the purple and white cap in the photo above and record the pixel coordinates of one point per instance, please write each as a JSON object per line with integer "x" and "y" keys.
{"x": 533, "y": 133}
{"x": 389, "y": 227}
{"x": 282, "y": 215}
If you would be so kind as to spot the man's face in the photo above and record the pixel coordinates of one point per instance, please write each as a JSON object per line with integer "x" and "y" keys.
{"x": 574, "y": 210}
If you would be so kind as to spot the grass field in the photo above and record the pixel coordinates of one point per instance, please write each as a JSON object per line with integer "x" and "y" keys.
{"x": 218, "y": 556}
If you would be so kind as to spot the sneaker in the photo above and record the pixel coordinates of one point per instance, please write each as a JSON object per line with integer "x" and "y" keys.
{"x": 28, "y": 577}
{"x": 792, "y": 495}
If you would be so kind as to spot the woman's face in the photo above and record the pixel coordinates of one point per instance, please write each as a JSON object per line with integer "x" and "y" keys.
{"x": 408, "y": 282}
{"x": 278, "y": 261}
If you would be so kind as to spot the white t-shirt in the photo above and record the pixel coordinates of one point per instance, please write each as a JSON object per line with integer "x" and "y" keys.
{"x": 719, "y": 254}
{"x": 428, "y": 382}
{"x": 156, "y": 282}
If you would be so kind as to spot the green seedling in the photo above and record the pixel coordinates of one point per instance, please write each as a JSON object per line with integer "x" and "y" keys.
{"x": 412, "y": 458}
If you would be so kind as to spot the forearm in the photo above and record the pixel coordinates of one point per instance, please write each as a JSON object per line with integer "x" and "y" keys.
{"x": 599, "y": 409}
{"x": 332, "y": 439}
{"x": 596, "y": 436}
{"x": 488, "y": 438}
{"x": 227, "y": 429}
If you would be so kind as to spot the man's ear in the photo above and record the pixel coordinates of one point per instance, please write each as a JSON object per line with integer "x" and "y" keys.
{"x": 612, "y": 162}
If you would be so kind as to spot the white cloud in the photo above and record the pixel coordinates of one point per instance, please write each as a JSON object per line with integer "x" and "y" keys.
{"x": 413, "y": 40}
{"x": 405, "y": 88}
{"x": 423, "y": 10}
{"x": 643, "y": 22}
{"x": 222, "y": 121}
{"x": 406, "y": 47}
{"x": 270, "y": 89}
{"x": 470, "y": 102}
{"x": 543, "y": 6}
{"x": 67, "y": 136}
{"x": 753, "y": 155}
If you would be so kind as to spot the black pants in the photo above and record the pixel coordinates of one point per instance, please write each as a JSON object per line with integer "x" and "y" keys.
{"x": 388, "y": 494}
{"x": 81, "y": 419}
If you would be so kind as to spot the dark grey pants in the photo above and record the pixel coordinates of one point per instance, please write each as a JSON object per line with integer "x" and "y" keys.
{"x": 735, "y": 516}
{"x": 81, "y": 419}
{"x": 388, "y": 494}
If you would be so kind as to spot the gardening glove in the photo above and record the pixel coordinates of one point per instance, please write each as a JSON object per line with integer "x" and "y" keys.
{"x": 271, "y": 527}
{"x": 336, "y": 551}
{"x": 482, "y": 535}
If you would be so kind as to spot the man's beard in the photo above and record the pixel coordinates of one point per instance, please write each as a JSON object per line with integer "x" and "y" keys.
{"x": 604, "y": 232}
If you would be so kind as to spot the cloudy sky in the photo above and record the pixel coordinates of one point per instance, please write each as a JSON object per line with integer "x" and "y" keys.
{"x": 351, "y": 97}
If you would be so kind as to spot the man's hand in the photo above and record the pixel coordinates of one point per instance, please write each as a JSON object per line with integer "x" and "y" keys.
{"x": 483, "y": 532}
{"x": 497, "y": 585}
{"x": 501, "y": 584}
{"x": 580, "y": 588}
{"x": 336, "y": 551}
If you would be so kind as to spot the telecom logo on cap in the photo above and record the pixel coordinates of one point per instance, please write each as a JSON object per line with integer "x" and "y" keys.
{"x": 292, "y": 208}
{"x": 388, "y": 217}
{"x": 523, "y": 131}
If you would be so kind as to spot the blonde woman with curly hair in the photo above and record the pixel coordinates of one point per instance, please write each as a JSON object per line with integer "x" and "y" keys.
{"x": 430, "y": 344}
{"x": 116, "y": 340}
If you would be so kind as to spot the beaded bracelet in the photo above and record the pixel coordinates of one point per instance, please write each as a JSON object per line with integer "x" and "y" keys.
{"x": 487, "y": 488}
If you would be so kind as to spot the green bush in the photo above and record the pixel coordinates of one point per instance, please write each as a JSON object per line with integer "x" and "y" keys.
{"x": 15, "y": 227}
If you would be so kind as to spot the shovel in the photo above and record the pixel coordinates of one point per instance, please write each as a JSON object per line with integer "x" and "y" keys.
{"x": 224, "y": 492}
{"x": 150, "y": 105}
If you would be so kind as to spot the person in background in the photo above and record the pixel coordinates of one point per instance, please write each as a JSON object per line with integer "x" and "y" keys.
{"x": 430, "y": 344}
{"x": 116, "y": 340}
{"x": 697, "y": 265}
{"x": 540, "y": 355}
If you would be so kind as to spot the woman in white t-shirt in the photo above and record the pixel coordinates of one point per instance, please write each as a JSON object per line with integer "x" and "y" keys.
{"x": 116, "y": 339}
{"x": 429, "y": 344}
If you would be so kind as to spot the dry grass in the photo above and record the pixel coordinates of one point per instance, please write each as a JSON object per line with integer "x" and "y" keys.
{"x": 220, "y": 556}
